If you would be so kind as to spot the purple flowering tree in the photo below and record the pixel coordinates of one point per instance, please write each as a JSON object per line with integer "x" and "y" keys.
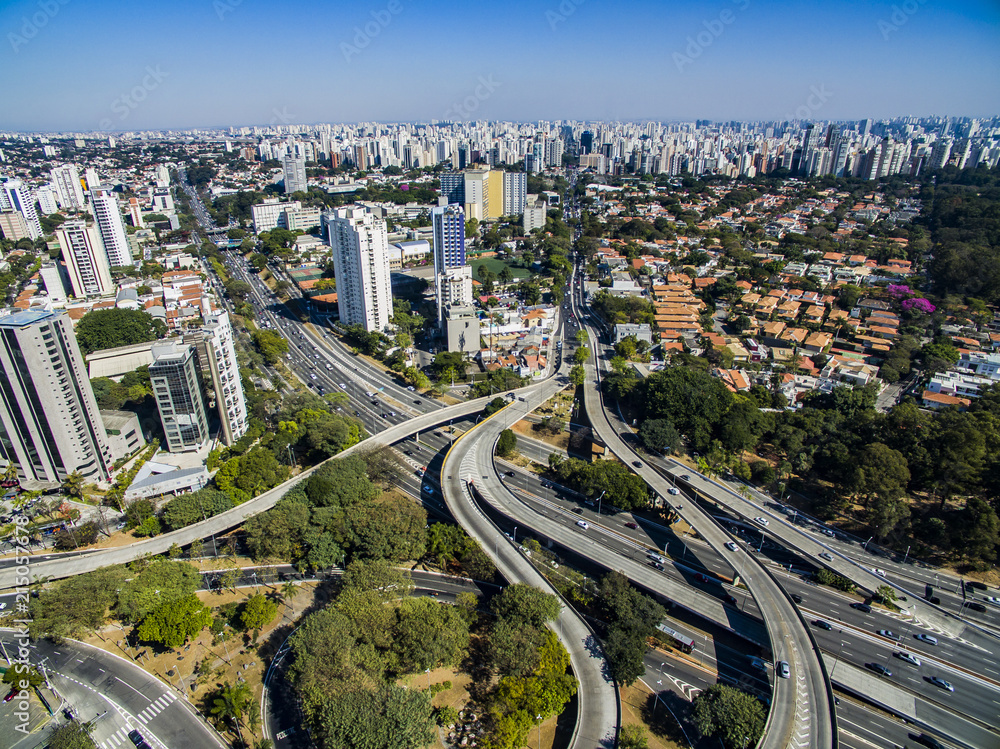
{"x": 919, "y": 306}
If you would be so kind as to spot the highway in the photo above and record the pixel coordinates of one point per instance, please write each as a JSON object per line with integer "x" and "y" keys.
{"x": 802, "y": 711}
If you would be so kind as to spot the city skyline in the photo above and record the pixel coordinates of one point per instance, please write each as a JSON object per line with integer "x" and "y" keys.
{"x": 227, "y": 63}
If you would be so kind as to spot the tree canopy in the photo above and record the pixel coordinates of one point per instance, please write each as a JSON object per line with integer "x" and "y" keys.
{"x": 109, "y": 328}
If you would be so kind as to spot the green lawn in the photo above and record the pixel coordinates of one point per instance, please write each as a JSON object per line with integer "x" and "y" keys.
{"x": 496, "y": 265}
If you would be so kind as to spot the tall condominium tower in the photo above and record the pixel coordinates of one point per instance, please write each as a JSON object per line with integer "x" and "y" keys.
{"x": 86, "y": 260}
{"x": 174, "y": 377}
{"x": 295, "y": 174}
{"x": 49, "y": 421}
{"x": 452, "y": 277}
{"x": 108, "y": 216}
{"x": 18, "y": 197}
{"x": 69, "y": 190}
{"x": 361, "y": 266}
{"x": 217, "y": 356}
{"x": 515, "y": 193}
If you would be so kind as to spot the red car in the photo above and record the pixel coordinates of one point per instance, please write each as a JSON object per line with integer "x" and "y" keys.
{"x": 11, "y": 695}
{"x": 631, "y": 525}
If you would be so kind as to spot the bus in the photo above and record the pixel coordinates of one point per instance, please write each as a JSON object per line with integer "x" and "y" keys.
{"x": 676, "y": 639}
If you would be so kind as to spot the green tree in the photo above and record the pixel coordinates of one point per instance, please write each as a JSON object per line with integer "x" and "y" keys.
{"x": 507, "y": 444}
{"x": 77, "y": 605}
{"x": 173, "y": 624}
{"x": 658, "y": 435}
{"x": 271, "y": 345}
{"x": 632, "y": 736}
{"x": 257, "y": 612}
{"x": 525, "y": 605}
{"x": 582, "y": 337}
{"x": 383, "y": 717}
{"x": 581, "y": 355}
{"x": 731, "y": 715}
{"x": 231, "y": 703}
{"x": 109, "y": 328}
{"x": 22, "y": 677}
{"x": 73, "y": 485}
{"x": 577, "y": 375}
{"x": 194, "y": 507}
{"x": 429, "y": 634}
{"x": 71, "y": 735}
{"x": 879, "y": 471}
{"x": 155, "y": 584}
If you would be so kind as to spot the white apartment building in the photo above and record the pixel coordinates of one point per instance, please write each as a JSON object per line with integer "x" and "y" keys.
{"x": 69, "y": 190}
{"x": 534, "y": 214}
{"x": 217, "y": 353}
{"x": 108, "y": 217}
{"x": 50, "y": 425}
{"x": 271, "y": 214}
{"x": 46, "y": 197}
{"x": 86, "y": 260}
{"x": 295, "y": 174}
{"x": 515, "y": 193}
{"x": 360, "y": 249}
{"x": 18, "y": 197}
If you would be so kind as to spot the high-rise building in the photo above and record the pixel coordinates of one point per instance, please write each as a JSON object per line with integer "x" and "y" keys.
{"x": 86, "y": 260}
{"x": 46, "y": 197}
{"x": 69, "y": 190}
{"x": 295, "y": 174}
{"x": 477, "y": 193}
{"x": 494, "y": 195}
{"x": 515, "y": 192}
{"x": 360, "y": 249}
{"x": 52, "y": 275}
{"x": 50, "y": 425}
{"x": 13, "y": 225}
{"x": 135, "y": 213}
{"x": 177, "y": 388}
{"x": 453, "y": 187}
{"x": 587, "y": 142}
{"x": 448, "y": 232}
{"x": 217, "y": 357}
{"x": 108, "y": 217}
{"x": 18, "y": 197}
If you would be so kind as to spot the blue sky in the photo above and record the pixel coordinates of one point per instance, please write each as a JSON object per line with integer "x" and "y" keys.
{"x": 103, "y": 64}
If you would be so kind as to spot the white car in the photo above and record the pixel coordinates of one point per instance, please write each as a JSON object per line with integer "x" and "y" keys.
{"x": 783, "y": 671}
{"x": 673, "y": 490}
{"x": 992, "y": 599}
{"x": 824, "y": 555}
{"x": 343, "y": 386}
{"x": 410, "y": 388}
{"x": 730, "y": 545}
{"x": 762, "y": 521}
{"x": 877, "y": 571}
{"x": 313, "y": 375}
{"x": 583, "y": 524}
{"x": 929, "y": 639}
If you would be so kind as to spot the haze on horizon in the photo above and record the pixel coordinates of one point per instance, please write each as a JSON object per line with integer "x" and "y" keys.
{"x": 111, "y": 65}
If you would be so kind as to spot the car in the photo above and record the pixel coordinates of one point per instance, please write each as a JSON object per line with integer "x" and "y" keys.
{"x": 121, "y": 526}
{"x": 730, "y": 545}
{"x": 758, "y": 664}
{"x": 862, "y": 607}
{"x": 930, "y": 741}
{"x": 631, "y": 525}
{"x": 939, "y": 682}
{"x": 797, "y": 598}
{"x": 992, "y": 599}
{"x": 410, "y": 388}
{"x": 929, "y": 639}
{"x": 135, "y": 737}
{"x": 418, "y": 472}
{"x": 888, "y": 633}
{"x": 827, "y": 532}
{"x": 729, "y": 598}
{"x": 824, "y": 555}
{"x": 343, "y": 386}
{"x": 877, "y": 571}
{"x": 976, "y": 606}
{"x": 10, "y": 695}
{"x": 783, "y": 671}
{"x": 823, "y": 624}
{"x": 637, "y": 463}
{"x": 700, "y": 577}
{"x": 416, "y": 402}
{"x": 760, "y": 520}
{"x": 583, "y": 524}
{"x": 369, "y": 394}
{"x": 313, "y": 376}
{"x": 578, "y": 510}
{"x": 673, "y": 490}
{"x": 656, "y": 565}
{"x": 908, "y": 657}
{"x": 878, "y": 668}
{"x": 510, "y": 473}
{"x": 685, "y": 477}
{"x": 428, "y": 488}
